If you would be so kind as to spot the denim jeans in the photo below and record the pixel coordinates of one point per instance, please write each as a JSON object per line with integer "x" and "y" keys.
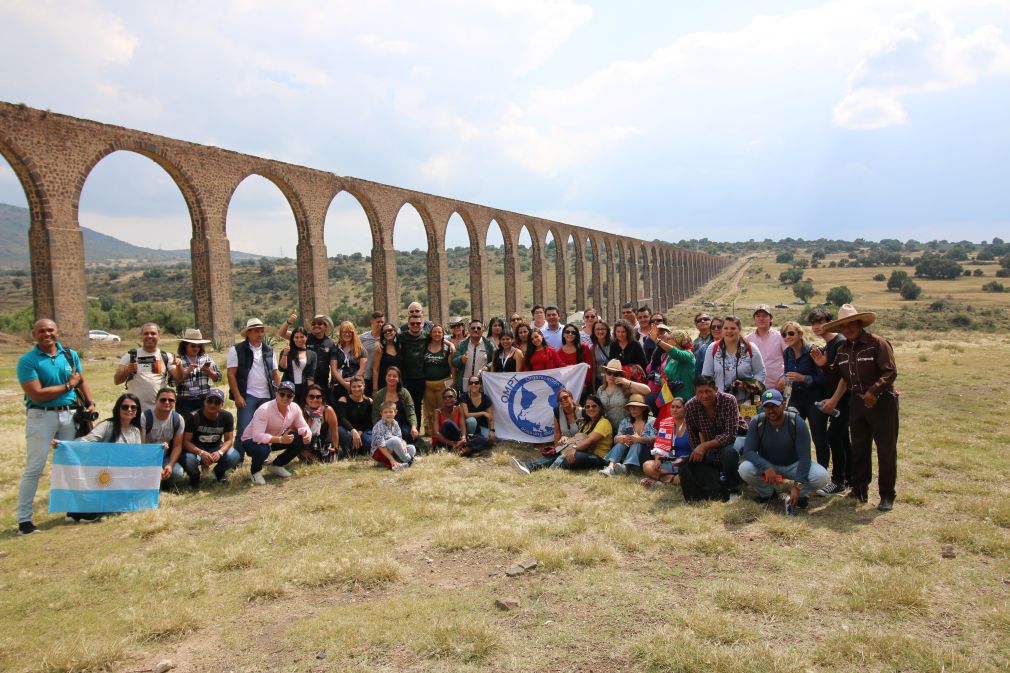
{"x": 627, "y": 455}
{"x": 258, "y": 453}
{"x": 472, "y": 428}
{"x": 191, "y": 465}
{"x": 244, "y": 417}
{"x": 344, "y": 440}
{"x": 583, "y": 461}
{"x": 730, "y": 460}
{"x": 178, "y": 475}
{"x": 816, "y": 478}
{"x": 41, "y": 427}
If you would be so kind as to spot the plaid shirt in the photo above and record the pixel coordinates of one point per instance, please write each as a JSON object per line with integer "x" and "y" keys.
{"x": 197, "y": 384}
{"x": 722, "y": 426}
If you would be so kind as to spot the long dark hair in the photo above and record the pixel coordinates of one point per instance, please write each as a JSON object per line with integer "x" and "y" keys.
{"x": 183, "y": 352}
{"x": 495, "y": 321}
{"x": 117, "y": 431}
{"x": 530, "y": 348}
{"x": 305, "y": 407}
{"x": 529, "y": 330}
{"x": 592, "y": 335}
{"x": 292, "y": 348}
{"x": 628, "y": 329}
{"x": 588, "y": 427}
{"x": 578, "y": 342}
{"x": 399, "y": 377}
{"x": 382, "y": 336}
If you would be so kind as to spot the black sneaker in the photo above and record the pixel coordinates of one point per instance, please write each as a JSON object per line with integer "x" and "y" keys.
{"x": 802, "y": 502}
{"x": 27, "y": 528}
{"x": 764, "y": 499}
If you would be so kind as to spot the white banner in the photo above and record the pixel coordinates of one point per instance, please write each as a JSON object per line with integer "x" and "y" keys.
{"x": 524, "y": 402}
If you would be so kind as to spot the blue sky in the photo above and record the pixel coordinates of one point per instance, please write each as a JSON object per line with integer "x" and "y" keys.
{"x": 654, "y": 119}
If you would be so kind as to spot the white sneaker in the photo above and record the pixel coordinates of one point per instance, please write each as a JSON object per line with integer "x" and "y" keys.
{"x": 258, "y": 480}
{"x": 608, "y": 471}
{"x": 519, "y": 467}
{"x": 733, "y": 497}
{"x": 620, "y": 469}
{"x": 278, "y": 471}
{"x": 400, "y": 466}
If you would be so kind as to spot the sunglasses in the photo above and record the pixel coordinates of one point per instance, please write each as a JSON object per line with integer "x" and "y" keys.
{"x": 285, "y": 393}
{"x": 389, "y": 331}
{"x": 564, "y": 398}
{"x": 716, "y": 326}
{"x": 568, "y": 331}
{"x": 213, "y": 401}
{"x": 314, "y": 397}
{"x": 170, "y": 400}
{"x": 655, "y": 321}
{"x": 611, "y": 373}
{"x": 128, "y": 407}
{"x": 476, "y": 328}
{"x": 317, "y": 323}
{"x": 789, "y": 333}
{"x": 474, "y": 383}
{"x": 590, "y": 405}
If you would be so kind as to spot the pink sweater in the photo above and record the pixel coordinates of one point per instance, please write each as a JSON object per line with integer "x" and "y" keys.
{"x": 268, "y": 422}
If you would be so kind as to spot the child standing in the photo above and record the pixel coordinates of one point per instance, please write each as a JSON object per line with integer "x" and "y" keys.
{"x": 388, "y": 446}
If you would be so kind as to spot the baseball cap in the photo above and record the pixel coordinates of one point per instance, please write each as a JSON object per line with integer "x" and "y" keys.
{"x": 772, "y": 397}
{"x": 216, "y": 392}
{"x": 762, "y": 307}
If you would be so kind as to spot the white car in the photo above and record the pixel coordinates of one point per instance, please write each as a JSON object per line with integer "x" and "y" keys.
{"x": 101, "y": 335}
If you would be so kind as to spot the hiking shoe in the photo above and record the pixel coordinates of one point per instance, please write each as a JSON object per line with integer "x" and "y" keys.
{"x": 858, "y": 494}
{"x": 886, "y": 505}
{"x": 831, "y": 489}
{"x": 519, "y": 467}
{"x": 278, "y": 471}
{"x": 27, "y": 528}
{"x": 608, "y": 471}
{"x": 620, "y": 469}
{"x": 258, "y": 480}
{"x": 733, "y": 497}
{"x": 400, "y": 466}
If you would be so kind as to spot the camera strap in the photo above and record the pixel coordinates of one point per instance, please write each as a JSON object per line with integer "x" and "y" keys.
{"x": 73, "y": 370}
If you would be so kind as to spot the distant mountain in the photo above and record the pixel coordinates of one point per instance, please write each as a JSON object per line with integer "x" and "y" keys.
{"x": 98, "y": 248}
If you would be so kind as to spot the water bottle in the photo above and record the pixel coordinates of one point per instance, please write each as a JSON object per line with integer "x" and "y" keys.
{"x": 788, "y": 505}
{"x": 835, "y": 413}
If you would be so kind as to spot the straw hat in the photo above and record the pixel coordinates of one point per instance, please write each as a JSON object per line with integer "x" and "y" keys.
{"x": 193, "y": 336}
{"x": 848, "y": 313}
{"x": 326, "y": 319}
{"x": 614, "y": 366}
{"x": 636, "y": 400}
{"x": 252, "y": 323}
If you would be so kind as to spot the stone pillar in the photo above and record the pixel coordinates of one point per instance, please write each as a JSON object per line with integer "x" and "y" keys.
{"x": 385, "y": 295}
{"x": 632, "y": 294}
{"x": 480, "y": 300}
{"x": 598, "y": 285}
{"x": 580, "y": 281}
{"x": 438, "y": 284}
{"x": 657, "y": 285}
{"x": 313, "y": 279}
{"x": 513, "y": 292}
{"x": 622, "y": 273}
{"x": 561, "y": 278}
{"x": 59, "y": 284}
{"x": 611, "y": 293}
{"x": 537, "y": 265}
{"x": 646, "y": 282}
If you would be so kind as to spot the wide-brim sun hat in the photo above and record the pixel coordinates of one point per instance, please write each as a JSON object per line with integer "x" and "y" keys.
{"x": 252, "y": 323}
{"x": 193, "y": 336}
{"x": 322, "y": 317}
{"x": 614, "y": 366}
{"x": 636, "y": 400}
{"x": 848, "y": 313}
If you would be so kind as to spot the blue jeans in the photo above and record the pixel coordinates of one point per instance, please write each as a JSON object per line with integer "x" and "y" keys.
{"x": 41, "y": 428}
{"x": 816, "y": 478}
{"x": 472, "y": 428}
{"x": 583, "y": 461}
{"x": 344, "y": 440}
{"x": 177, "y": 472}
{"x": 258, "y": 453}
{"x": 244, "y": 416}
{"x": 627, "y": 455}
{"x": 191, "y": 465}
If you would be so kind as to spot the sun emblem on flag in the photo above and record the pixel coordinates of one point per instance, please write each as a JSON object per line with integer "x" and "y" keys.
{"x": 104, "y": 478}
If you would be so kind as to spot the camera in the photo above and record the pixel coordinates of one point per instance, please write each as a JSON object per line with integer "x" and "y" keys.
{"x": 85, "y": 415}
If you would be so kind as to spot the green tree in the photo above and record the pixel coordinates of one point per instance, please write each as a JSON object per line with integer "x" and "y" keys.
{"x": 458, "y": 306}
{"x": 791, "y": 276}
{"x": 879, "y": 276}
{"x": 840, "y": 295}
{"x": 785, "y": 257}
{"x": 804, "y": 290}
{"x": 937, "y": 268}
{"x": 897, "y": 279}
{"x": 910, "y": 290}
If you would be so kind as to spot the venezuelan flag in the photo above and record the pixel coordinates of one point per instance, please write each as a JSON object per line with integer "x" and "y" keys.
{"x": 105, "y": 477}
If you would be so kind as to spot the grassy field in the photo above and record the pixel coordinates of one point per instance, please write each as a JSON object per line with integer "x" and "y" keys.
{"x": 352, "y": 568}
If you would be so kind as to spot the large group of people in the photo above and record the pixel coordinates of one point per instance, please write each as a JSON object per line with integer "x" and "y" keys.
{"x": 708, "y": 414}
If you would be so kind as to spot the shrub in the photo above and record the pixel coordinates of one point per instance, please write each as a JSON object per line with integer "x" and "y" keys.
{"x": 1003, "y": 273}
{"x": 791, "y": 276}
{"x": 910, "y": 290}
{"x": 804, "y": 290}
{"x": 840, "y": 295}
{"x": 993, "y": 286}
{"x": 897, "y": 279}
{"x": 785, "y": 257}
{"x": 879, "y": 277}
{"x": 937, "y": 268}
{"x": 978, "y": 273}
{"x": 458, "y": 306}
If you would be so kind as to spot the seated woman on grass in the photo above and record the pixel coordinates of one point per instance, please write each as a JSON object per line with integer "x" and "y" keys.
{"x": 587, "y": 448}
{"x": 322, "y": 421}
{"x": 354, "y": 414}
{"x": 670, "y": 448}
{"x": 123, "y": 427}
{"x": 388, "y": 447}
{"x": 395, "y": 392}
{"x": 449, "y": 424}
{"x": 633, "y": 440}
{"x": 567, "y": 420}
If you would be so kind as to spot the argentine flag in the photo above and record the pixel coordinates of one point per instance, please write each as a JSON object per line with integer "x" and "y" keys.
{"x": 104, "y": 477}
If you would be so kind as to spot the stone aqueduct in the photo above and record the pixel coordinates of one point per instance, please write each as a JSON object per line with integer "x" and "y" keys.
{"x": 53, "y": 154}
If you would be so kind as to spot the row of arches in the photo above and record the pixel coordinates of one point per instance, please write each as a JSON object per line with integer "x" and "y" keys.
{"x": 570, "y": 266}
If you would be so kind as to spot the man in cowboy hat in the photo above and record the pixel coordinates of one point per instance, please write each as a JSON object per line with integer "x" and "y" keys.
{"x": 320, "y": 343}
{"x": 252, "y": 373}
{"x": 865, "y": 362}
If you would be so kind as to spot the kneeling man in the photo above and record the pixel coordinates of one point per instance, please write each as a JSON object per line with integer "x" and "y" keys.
{"x": 778, "y": 442}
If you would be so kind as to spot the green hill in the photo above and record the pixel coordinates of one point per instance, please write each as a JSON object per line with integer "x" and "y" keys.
{"x": 98, "y": 248}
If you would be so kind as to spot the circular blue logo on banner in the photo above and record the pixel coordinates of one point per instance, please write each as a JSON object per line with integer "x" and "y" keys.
{"x": 528, "y": 399}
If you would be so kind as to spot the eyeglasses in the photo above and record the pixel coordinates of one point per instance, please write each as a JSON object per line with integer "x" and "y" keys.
{"x": 415, "y": 312}
{"x": 128, "y": 407}
{"x": 318, "y": 323}
{"x": 516, "y": 318}
{"x": 789, "y": 333}
{"x": 213, "y": 401}
{"x": 314, "y": 397}
{"x": 285, "y": 393}
{"x": 590, "y": 405}
{"x": 568, "y": 331}
{"x": 476, "y": 328}
{"x": 474, "y": 383}
{"x": 716, "y": 327}
{"x": 413, "y": 323}
{"x": 170, "y": 400}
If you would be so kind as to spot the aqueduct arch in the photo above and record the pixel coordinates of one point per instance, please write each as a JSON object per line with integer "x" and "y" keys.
{"x": 52, "y": 155}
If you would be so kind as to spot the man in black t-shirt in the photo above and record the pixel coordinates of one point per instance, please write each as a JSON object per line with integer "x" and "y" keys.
{"x": 208, "y": 438}
{"x": 320, "y": 343}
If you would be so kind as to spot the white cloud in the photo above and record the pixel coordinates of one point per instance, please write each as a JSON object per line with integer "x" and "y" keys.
{"x": 914, "y": 55}
{"x": 386, "y": 46}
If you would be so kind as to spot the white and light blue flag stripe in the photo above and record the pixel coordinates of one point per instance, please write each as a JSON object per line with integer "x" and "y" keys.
{"x": 105, "y": 477}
